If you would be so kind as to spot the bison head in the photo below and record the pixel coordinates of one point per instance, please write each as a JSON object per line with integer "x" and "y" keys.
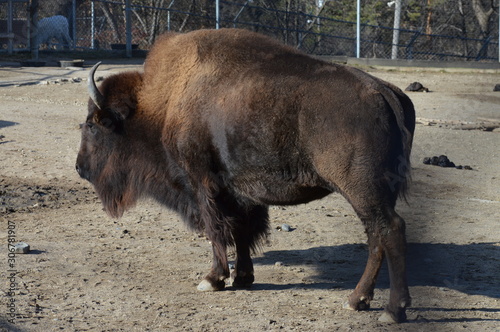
{"x": 103, "y": 156}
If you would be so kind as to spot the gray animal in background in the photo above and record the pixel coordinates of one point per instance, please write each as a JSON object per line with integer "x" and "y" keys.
{"x": 54, "y": 27}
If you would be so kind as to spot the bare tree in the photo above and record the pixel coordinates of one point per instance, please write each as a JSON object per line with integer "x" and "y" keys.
{"x": 483, "y": 18}
{"x": 150, "y": 24}
{"x": 112, "y": 20}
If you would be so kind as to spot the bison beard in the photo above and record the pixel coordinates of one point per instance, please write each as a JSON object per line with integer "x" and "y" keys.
{"x": 224, "y": 123}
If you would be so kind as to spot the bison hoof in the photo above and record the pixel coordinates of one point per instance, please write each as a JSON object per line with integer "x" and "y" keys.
{"x": 240, "y": 282}
{"x": 244, "y": 280}
{"x": 207, "y": 286}
{"x": 359, "y": 304}
{"x": 391, "y": 318}
{"x": 358, "y": 307}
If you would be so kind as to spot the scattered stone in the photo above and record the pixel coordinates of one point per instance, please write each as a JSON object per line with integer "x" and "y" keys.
{"x": 497, "y": 87}
{"x": 443, "y": 161}
{"x": 21, "y": 248}
{"x": 285, "y": 228}
{"x": 279, "y": 264}
{"x": 416, "y": 87}
{"x": 56, "y": 81}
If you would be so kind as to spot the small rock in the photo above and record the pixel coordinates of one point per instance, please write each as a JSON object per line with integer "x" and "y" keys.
{"x": 22, "y": 248}
{"x": 442, "y": 161}
{"x": 286, "y": 228}
{"x": 278, "y": 264}
{"x": 76, "y": 80}
{"x": 416, "y": 87}
{"x": 497, "y": 87}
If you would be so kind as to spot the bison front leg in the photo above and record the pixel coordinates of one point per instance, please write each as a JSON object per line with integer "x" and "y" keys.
{"x": 215, "y": 280}
{"x": 251, "y": 227}
{"x": 242, "y": 276}
{"x": 218, "y": 225}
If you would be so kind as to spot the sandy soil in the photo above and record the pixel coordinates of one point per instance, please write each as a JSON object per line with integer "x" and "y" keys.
{"x": 87, "y": 272}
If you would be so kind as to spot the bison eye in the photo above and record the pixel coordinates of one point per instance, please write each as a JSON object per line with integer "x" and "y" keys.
{"x": 91, "y": 127}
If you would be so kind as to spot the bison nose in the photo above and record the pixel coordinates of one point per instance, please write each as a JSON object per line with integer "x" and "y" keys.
{"x": 80, "y": 171}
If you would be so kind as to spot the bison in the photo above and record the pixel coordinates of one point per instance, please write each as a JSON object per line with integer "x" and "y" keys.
{"x": 223, "y": 123}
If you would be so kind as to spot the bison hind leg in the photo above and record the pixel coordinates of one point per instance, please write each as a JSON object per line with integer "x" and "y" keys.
{"x": 386, "y": 237}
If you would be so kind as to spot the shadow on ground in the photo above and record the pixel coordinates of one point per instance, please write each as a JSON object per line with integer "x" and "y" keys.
{"x": 471, "y": 269}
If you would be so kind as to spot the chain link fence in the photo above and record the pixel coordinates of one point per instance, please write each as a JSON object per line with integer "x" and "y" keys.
{"x": 109, "y": 24}
{"x": 14, "y": 25}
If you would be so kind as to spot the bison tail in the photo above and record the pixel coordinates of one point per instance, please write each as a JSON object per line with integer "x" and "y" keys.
{"x": 404, "y": 113}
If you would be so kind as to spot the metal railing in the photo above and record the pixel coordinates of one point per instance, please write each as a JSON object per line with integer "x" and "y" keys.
{"x": 128, "y": 24}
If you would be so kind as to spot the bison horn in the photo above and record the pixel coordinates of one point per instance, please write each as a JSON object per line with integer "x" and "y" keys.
{"x": 94, "y": 93}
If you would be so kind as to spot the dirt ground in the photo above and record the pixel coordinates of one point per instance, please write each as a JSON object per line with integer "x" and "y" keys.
{"x": 87, "y": 272}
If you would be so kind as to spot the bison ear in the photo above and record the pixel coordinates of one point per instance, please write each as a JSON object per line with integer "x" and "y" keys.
{"x": 114, "y": 116}
{"x": 126, "y": 108}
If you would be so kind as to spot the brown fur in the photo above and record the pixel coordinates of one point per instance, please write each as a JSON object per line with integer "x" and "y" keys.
{"x": 223, "y": 123}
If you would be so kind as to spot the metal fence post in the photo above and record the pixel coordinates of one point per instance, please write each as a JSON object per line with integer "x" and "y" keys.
{"x": 92, "y": 25}
{"x": 395, "y": 33}
{"x": 128, "y": 27}
{"x": 9, "y": 25}
{"x": 74, "y": 23}
{"x": 358, "y": 29}
{"x": 34, "y": 29}
{"x": 217, "y": 14}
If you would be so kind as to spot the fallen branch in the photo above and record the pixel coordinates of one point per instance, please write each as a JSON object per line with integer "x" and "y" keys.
{"x": 485, "y": 124}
